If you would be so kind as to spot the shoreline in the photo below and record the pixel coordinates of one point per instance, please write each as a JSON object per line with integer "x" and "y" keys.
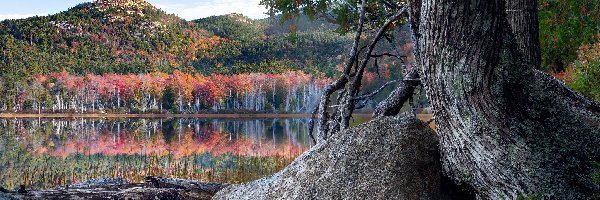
{"x": 90, "y": 115}
{"x": 153, "y": 187}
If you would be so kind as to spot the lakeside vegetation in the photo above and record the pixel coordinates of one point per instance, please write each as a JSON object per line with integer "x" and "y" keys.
{"x": 290, "y": 92}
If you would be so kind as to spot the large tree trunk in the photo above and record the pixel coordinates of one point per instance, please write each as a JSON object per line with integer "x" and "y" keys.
{"x": 505, "y": 130}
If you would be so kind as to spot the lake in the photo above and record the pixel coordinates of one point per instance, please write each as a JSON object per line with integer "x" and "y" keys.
{"x": 48, "y": 152}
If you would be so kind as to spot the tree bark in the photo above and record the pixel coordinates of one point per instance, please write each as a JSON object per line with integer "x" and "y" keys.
{"x": 522, "y": 16}
{"x": 503, "y": 130}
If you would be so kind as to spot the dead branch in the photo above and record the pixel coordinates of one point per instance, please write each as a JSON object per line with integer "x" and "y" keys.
{"x": 340, "y": 82}
{"x": 370, "y": 95}
{"x": 403, "y": 92}
{"x": 346, "y": 112}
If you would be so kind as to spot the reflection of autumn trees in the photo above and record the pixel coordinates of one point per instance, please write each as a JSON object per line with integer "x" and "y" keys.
{"x": 217, "y": 143}
{"x": 51, "y": 152}
{"x": 148, "y": 137}
{"x": 291, "y": 92}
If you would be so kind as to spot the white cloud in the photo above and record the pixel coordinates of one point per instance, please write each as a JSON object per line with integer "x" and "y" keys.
{"x": 197, "y": 10}
{"x": 18, "y": 16}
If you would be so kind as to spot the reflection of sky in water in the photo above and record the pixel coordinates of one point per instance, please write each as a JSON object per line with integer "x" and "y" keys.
{"x": 167, "y": 146}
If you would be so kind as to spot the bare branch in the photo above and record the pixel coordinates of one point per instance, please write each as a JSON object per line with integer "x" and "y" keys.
{"x": 346, "y": 112}
{"x": 389, "y": 4}
{"x": 370, "y": 95}
{"x": 311, "y": 123}
{"x": 323, "y": 128}
{"x": 386, "y": 54}
{"x": 404, "y": 91}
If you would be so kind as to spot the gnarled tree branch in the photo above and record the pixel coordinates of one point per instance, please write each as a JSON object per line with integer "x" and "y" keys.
{"x": 322, "y": 127}
{"x": 346, "y": 112}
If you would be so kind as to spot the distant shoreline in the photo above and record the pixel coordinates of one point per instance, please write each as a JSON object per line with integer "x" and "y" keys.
{"x": 149, "y": 115}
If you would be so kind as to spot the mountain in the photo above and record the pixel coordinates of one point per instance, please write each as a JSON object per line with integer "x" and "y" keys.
{"x": 132, "y": 36}
{"x": 104, "y": 36}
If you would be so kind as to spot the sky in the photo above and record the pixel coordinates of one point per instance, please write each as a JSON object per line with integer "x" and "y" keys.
{"x": 187, "y": 9}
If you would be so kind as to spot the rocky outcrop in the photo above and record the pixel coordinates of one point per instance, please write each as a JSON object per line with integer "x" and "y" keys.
{"x": 387, "y": 158}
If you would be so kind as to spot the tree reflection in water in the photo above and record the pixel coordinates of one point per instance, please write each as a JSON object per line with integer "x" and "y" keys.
{"x": 43, "y": 153}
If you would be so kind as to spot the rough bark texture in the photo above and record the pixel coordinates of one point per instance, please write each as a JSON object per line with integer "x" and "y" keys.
{"x": 522, "y": 16}
{"x": 503, "y": 130}
{"x": 387, "y": 158}
{"x": 117, "y": 188}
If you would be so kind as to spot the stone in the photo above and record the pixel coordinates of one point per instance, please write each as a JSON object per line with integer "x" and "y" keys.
{"x": 387, "y": 158}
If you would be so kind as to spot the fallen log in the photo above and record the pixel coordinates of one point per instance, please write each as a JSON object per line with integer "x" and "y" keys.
{"x": 118, "y": 188}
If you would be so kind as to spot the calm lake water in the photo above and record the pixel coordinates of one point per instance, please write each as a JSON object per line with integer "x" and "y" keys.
{"x": 42, "y": 153}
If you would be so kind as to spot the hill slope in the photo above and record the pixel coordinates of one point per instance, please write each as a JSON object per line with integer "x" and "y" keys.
{"x": 272, "y": 47}
{"x": 132, "y": 36}
{"x": 119, "y": 36}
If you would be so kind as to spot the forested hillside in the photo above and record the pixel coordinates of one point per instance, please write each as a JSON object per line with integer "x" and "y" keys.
{"x": 107, "y": 36}
{"x": 272, "y": 46}
{"x": 133, "y": 37}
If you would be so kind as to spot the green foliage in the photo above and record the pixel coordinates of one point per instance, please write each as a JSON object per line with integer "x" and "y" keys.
{"x": 564, "y": 26}
{"x": 234, "y": 26}
{"x": 586, "y": 71}
{"x": 269, "y": 46}
{"x": 97, "y": 39}
{"x": 596, "y": 174}
{"x": 169, "y": 99}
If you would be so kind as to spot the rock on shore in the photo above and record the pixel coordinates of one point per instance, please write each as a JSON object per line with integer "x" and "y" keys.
{"x": 387, "y": 158}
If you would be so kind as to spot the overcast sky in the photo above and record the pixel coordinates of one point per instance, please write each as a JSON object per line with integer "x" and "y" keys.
{"x": 187, "y": 9}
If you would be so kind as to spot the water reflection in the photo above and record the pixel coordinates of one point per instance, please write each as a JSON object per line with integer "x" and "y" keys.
{"x": 43, "y": 153}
